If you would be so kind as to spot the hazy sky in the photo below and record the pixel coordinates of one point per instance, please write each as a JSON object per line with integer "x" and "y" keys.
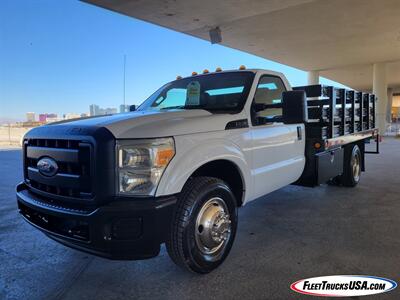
{"x": 61, "y": 56}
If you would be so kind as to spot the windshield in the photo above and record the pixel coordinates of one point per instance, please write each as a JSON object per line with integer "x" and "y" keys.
{"x": 218, "y": 92}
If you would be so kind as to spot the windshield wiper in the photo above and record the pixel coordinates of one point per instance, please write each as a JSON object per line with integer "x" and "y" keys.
{"x": 173, "y": 107}
{"x": 188, "y": 107}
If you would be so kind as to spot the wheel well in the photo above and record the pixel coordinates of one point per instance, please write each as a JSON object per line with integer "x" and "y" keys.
{"x": 226, "y": 171}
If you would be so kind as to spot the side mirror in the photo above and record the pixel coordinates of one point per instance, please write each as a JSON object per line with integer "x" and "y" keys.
{"x": 132, "y": 107}
{"x": 258, "y": 107}
{"x": 294, "y": 107}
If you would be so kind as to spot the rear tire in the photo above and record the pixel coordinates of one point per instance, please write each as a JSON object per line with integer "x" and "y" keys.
{"x": 204, "y": 225}
{"x": 352, "y": 166}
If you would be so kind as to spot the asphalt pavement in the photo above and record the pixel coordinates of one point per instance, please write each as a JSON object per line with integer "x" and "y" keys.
{"x": 288, "y": 235}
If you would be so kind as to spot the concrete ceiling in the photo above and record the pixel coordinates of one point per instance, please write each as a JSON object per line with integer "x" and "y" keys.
{"x": 360, "y": 76}
{"x": 341, "y": 38}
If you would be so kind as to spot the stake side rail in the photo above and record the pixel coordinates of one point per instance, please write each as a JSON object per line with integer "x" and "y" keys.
{"x": 338, "y": 116}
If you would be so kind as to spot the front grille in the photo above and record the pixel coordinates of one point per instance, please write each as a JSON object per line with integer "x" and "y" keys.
{"x": 54, "y": 143}
{"x": 73, "y": 159}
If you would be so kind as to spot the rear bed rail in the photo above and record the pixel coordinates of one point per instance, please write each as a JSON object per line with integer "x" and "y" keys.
{"x": 337, "y": 117}
{"x": 335, "y": 112}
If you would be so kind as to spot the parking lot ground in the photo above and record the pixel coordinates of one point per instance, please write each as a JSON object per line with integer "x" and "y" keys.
{"x": 288, "y": 235}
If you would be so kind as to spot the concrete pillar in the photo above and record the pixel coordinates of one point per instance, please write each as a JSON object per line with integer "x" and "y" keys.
{"x": 313, "y": 77}
{"x": 379, "y": 86}
{"x": 389, "y": 106}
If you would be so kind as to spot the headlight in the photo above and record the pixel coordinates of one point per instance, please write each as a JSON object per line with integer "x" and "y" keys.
{"x": 141, "y": 164}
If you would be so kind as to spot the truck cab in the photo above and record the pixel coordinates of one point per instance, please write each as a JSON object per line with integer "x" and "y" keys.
{"x": 177, "y": 169}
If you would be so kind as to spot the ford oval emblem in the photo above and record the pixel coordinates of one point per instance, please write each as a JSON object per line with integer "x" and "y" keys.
{"x": 47, "y": 166}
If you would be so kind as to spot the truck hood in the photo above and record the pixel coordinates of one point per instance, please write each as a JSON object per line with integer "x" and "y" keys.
{"x": 148, "y": 124}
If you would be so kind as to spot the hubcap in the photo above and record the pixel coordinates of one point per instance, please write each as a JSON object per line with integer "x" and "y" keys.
{"x": 213, "y": 226}
{"x": 355, "y": 162}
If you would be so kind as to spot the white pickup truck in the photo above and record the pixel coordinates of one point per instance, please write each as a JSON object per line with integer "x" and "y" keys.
{"x": 176, "y": 169}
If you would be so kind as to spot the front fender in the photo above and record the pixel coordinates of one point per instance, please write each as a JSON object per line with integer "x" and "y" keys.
{"x": 193, "y": 152}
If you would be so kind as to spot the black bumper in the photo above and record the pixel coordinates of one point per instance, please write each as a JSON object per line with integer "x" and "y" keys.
{"x": 122, "y": 229}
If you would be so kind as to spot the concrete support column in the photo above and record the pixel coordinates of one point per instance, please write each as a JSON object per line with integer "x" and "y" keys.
{"x": 313, "y": 77}
{"x": 389, "y": 105}
{"x": 380, "y": 90}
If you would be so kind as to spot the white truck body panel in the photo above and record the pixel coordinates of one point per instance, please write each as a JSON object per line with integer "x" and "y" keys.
{"x": 261, "y": 164}
{"x": 268, "y": 157}
{"x": 278, "y": 157}
{"x": 176, "y": 170}
{"x": 193, "y": 151}
{"x": 153, "y": 124}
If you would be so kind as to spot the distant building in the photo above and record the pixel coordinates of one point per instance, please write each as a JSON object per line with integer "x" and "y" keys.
{"x": 53, "y": 119}
{"x": 43, "y": 118}
{"x": 109, "y": 111}
{"x": 94, "y": 110}
{"x": 123, "y": 108}
{"x": 84, "y": 115}
{"x": 72, "y": 116}
{"x": 30, "y": 117}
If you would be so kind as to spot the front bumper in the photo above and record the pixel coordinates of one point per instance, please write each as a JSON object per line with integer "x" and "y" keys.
{"x": 122, "y": 229}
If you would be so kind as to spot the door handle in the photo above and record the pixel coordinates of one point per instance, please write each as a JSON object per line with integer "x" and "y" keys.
{"x": 299, "y": 133}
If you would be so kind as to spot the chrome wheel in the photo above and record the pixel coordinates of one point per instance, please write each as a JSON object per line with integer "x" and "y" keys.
{"x": 356, "y": 166}
{"x": 213, "y": 227}
{"x": 204, "y": 225}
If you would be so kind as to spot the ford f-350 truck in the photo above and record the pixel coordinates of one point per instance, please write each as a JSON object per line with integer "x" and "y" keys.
{"x": 177, "y": 169}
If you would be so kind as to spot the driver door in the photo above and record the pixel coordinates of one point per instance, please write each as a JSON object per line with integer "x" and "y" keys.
{"x": 277, "y": 148}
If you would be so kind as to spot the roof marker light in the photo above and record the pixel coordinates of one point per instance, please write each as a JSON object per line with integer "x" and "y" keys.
{"x": 194, "y": 73}
{"x": 205, "y": 71}
{"x": 218, "y": 69}
{"x": 242, "y": 67}
{"x": 178, "y": 77}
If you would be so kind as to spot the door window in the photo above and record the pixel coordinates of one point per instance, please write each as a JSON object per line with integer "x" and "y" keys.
{"x": 269, "y": 91}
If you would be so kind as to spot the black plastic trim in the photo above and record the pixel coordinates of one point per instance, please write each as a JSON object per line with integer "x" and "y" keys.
{"x": 64, "y": 180}
{"x": 98, "y": 186}
{"x": 63, "y": 155}
{"x": 108, "y": 233}
{"x": 236, "y": 124}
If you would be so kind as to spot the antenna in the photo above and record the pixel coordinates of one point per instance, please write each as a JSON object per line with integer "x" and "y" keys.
{"x": 124, "y": 77}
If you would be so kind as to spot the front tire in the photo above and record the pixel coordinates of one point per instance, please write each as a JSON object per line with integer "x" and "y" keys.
{"x": 204, "y": 225}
